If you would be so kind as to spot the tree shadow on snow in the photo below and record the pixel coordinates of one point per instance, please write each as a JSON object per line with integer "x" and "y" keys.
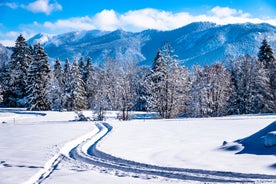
{"x": 262, "y": 142}
{"x": 256, "y": 143}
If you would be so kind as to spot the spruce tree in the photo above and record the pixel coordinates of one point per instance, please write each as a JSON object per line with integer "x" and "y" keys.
{"x": 82, "y": 67}
{"x": 267, "y": 58}
{"x": 78, "y": 98}
{"x": 89, "y": 79}
{"x": 266, "y": 55}
{"x": 58, "y": 72}
{"x": 1, "y": 93}
{"x": 67, "y": 86}
{"x": 167, "y": 85}
{"x": 56, "y": 87}
{"x": 15, "y": 93}
{"x": 263, "y": 98}
{"x": 37, "y": 80}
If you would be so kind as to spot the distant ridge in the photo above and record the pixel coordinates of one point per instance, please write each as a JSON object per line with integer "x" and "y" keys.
{"x": 197, "y": 43}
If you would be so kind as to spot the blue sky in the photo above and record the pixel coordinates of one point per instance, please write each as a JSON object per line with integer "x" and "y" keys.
{"x": 30, "y": 17}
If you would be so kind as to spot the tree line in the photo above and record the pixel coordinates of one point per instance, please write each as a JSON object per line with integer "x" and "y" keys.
{"x": 242, "y": 86}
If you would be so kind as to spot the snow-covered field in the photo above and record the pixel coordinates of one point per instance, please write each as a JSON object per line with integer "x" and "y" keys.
{"x": 30, "y": 140}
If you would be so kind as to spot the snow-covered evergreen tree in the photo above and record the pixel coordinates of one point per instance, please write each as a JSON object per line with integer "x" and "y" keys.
{"x": 167, "y": 85}
{"x": 15, "y": 93}
{"x": 263, "y": 99}
{"x": 4, "y": 80}
{"x": 82, "y": 67}
{"x": 77, "y": 96}
{"x": 268, "y": 60}
{"x": 67, "y": 85}
{"x": 1, "y": 93}
{"x": 266, "y": 55}
{"x": 140, "y": 87}
{"x": 58, "y": 72}
{"x": 56, "y": 87}
{"x": 38, "y": 78}
{"x": 89, "y": 79}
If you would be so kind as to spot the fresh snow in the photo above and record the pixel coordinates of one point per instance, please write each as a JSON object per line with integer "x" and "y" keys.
{"x": 31, "y": 140}
{"x": 190, "y": 143}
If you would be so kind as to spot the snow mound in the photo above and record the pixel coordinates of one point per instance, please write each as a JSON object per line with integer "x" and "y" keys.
{"x": 262, "y": 142}
{"x": 270, "y": 139}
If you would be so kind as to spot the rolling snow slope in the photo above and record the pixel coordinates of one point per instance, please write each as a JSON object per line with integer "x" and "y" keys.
{"x": 191, "y": 144}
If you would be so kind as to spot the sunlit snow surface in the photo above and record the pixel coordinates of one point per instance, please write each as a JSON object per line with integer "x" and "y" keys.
{"x": 29, "y": 139}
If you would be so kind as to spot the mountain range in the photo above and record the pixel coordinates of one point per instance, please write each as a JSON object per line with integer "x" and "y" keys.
{"x": 197, "y": 43}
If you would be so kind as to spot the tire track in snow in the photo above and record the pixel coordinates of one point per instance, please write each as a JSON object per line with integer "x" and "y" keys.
{"x": 88, "y": 153}
{"x": 53, "y": 162}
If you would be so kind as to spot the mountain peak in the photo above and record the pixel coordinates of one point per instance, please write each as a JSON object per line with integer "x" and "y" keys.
{"x": 196, "y": 43}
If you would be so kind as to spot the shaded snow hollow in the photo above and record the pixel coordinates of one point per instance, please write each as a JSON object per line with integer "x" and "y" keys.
{"x": 262, "y": 142}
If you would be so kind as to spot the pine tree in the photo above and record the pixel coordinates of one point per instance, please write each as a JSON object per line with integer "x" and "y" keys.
{"x": 82, "y": 67}
{"x": 78, "y": 98}
{"x": 66, "y": 86}
{"x": 89, "y": 80}
{"x": 58, "y": 72}
{"x": 4, "y": 80}
{"x": 1, "y": 93}
{"x": 167, "y": 85}
{"x": 56, "y": 87}
{"x": 15, "y": 95}
{"x": 263, "y": 98}
{"x": 37, "y": 80}
{"x": 266, "y": 55}
{"x": 267, "y": 58}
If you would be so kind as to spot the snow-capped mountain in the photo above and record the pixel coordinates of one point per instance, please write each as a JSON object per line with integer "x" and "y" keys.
{"x": 197, "y": 43}
{"x": 40, "y": 38}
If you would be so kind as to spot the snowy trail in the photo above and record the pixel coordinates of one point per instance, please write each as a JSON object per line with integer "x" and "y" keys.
{"x": 88, "y": 153}
{"x": 53, "y": 162}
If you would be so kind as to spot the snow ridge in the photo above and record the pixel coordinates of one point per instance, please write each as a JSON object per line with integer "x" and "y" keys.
{"x": 197, "y": 43}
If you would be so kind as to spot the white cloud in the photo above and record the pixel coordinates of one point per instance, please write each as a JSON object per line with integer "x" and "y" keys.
{"x": 42, "y": 6}
{"x": 106, "y": 20}
{"x": 10, "y": 5}
{"x": 224, "y": 11}
{"x": 135, "y": 20}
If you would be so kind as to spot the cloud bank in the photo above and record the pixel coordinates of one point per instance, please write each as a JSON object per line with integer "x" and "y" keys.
{"x": 137, "y": 20}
